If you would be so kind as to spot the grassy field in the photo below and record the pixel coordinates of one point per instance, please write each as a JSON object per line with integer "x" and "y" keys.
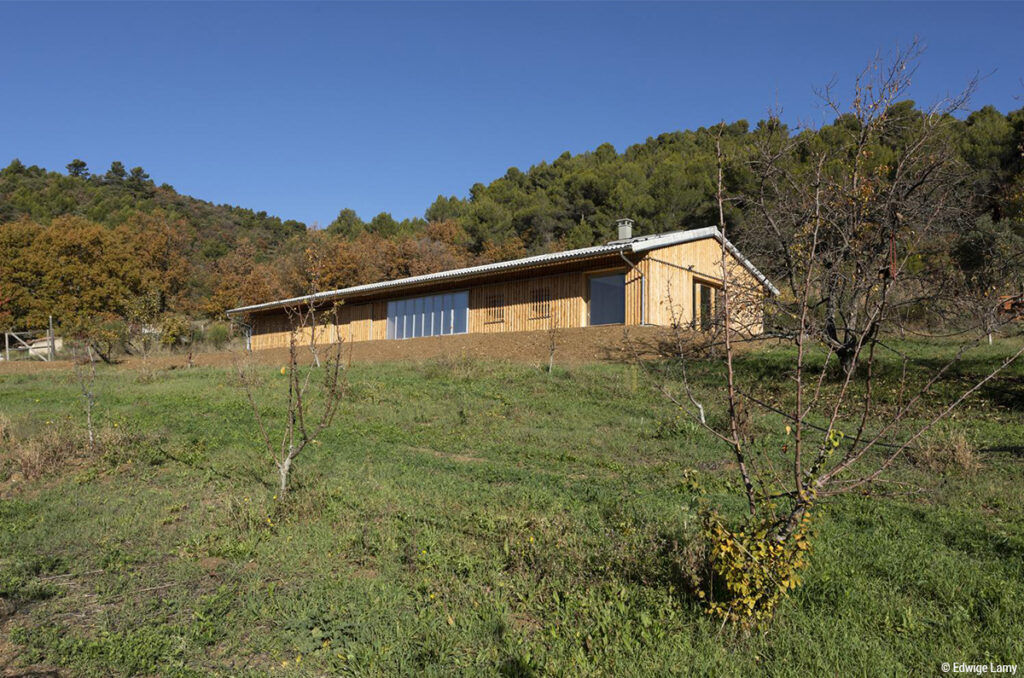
{"x": 475, "y": 518}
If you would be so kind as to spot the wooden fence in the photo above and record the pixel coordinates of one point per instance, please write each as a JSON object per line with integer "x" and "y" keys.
{"x": 39, "y": 344}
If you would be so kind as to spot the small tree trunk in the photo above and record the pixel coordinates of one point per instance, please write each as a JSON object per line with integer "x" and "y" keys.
{"x": 283, "y": 468}
{"x": 791, "y": 523}
{"x": 89, "y": 397}
{"x": 88, "y": 419}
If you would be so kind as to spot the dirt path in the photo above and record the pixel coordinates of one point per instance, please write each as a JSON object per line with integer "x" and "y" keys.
{"x": 572, "y": 347}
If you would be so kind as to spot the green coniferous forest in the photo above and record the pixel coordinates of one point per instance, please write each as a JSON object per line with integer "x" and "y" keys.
{"x": 89, "y": 246}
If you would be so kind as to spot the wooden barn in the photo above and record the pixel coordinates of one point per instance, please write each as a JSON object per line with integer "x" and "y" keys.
{"x": 671, "y": 279}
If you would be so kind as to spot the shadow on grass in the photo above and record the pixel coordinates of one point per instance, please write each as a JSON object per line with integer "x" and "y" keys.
{"x": 247, "y": 472}
{"x": 1017, "y": 450}
{"x": 516, "y": 667}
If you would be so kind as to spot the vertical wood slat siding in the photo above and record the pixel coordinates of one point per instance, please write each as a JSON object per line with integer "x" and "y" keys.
{"x": 635, "y": 288}
{"x": 671, "y": 273}
{"x": 270, "y": 331}
{"x": 380, "y": 320}
{"x": 656, "y": 293}
{"x": 566, "y": 307}
{"x": 354, "y": 322}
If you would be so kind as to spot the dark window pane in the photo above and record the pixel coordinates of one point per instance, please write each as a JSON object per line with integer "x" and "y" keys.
{"x": 461, "y": 311}
{"x": 446, "y": 316}
{"x": 608, "y": 299}
{"x": 705, "y": 307}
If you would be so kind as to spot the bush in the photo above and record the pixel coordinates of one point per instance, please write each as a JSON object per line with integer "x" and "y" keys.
{"x": 218, "y": 335}
{"x": 175, "y": 331}
{"x": 751, "y": 571}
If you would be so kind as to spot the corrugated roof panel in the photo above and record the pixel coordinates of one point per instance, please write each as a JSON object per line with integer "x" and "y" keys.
{"x": 639, "y": 244}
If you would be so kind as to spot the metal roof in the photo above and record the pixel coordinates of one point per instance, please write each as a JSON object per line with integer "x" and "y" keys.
{"x": 639, "y": 244}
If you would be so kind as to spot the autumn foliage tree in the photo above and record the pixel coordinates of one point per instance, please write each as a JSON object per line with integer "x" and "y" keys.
{"x": 203, "y": 258}
{"x": 239, "y": 278}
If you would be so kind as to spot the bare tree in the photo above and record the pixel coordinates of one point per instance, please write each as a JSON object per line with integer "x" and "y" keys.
{"x": 85, "y": 375}
{"x": 852, "y": 238}
{"x": 140, "y": 334}
{"x": 853, "y": 219}
{"x": 314, "y": 393}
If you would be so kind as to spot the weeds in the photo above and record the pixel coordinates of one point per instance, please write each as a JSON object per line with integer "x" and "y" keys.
{"x": 947, "y": 450}
{"x": 61, "y": 446}
{"x": 390, "y": 557}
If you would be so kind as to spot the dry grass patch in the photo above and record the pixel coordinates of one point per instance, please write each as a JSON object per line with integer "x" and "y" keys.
{"x": 60, "y": 447}
{"x": 948, "y": 450}
{"x": 45, "y": 454}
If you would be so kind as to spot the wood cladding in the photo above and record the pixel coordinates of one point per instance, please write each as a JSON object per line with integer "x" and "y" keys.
{"x": 674, "y": 273}
{"x": 660, "y": 290}
{"x": 494, "y": 308}
{"x": 540, "y": 302}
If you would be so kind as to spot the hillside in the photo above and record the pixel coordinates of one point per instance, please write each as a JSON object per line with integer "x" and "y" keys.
{"x": 122, "y": 238}
{"x": 84, "y": 246}
{"x": 112, "y": 198}
{"x": 478, "y": 518}
{"x": 668, "y": 182}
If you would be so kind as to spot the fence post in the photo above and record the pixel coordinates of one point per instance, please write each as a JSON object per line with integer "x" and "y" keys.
{"x": 53, "y": 341}
{"x": 7, "y": 347}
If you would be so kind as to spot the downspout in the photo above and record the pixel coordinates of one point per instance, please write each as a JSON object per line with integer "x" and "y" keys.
{"x": 246, "y": 329}
{"x": 643, "y": 288}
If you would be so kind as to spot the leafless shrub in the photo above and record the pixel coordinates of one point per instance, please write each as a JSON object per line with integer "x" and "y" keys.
{"x": 6, "y": 430}
{"x": 85, "y": 373}
{"x": 314, "y": 393}
{"x": 552, "y": 341}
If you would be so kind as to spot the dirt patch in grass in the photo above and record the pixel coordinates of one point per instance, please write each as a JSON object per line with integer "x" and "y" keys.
{"x": 574, "y": 346}
{"x": 451, "y": 456}
{"x": 211, "y": 564}
{"x": 364, "y": 573}
{"x": 461, "y": 457}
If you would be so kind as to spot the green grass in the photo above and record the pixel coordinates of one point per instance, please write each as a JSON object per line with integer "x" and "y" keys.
{"x": 479, "y": 519}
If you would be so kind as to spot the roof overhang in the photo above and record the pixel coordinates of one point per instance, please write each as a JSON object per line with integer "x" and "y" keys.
{"x": 638, "y": 245}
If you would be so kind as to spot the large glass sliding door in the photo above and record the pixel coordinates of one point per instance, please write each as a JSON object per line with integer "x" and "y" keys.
{"x": 428, "y": 316}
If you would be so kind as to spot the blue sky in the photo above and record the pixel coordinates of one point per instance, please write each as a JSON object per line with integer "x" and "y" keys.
{"x": 302, "y": 109}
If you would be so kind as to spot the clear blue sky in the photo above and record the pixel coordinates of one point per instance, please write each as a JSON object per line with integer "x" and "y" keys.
{"x": 302, "y": 109}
